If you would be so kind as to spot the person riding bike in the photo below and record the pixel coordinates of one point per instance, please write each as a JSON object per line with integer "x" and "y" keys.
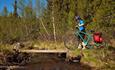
{"x": 81, "y": 28}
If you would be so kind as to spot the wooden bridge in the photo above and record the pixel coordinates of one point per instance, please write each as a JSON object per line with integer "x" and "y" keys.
{"x": 44, "y": 51}
{"x": 61, "y": 53}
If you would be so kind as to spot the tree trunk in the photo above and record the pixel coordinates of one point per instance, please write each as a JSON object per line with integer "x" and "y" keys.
{"x": 53, "y": 21}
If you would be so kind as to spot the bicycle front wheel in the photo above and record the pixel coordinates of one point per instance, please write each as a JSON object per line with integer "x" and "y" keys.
{"x": 71, "y": 42}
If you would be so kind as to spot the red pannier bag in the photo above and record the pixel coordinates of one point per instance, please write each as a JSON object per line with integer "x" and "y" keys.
{"x": 97, "y": 37}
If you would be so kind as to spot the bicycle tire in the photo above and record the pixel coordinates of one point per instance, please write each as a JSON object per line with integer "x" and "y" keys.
{"x": 71, "y": 42}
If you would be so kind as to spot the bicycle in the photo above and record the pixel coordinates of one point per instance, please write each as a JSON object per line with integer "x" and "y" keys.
{"x": 71, "y": 42}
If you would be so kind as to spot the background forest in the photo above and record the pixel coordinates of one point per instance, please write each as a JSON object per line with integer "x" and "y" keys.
{"x": 54, "y": 18}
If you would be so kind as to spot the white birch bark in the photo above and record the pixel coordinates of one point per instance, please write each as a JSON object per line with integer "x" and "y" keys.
{"x": 53, "y": 21}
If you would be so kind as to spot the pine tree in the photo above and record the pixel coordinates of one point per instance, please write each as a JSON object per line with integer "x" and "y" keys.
{"x": 15, "y": 9}
{"x": 5, "y": 12}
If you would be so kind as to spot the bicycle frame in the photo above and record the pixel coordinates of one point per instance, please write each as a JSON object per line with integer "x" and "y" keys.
{"x": 86, "y": 41}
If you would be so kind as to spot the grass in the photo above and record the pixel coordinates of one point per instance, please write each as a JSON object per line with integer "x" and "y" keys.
{"x": 47, "y": 45}
{"x": 6, "y": 48}
{"x": 101, "y": 59}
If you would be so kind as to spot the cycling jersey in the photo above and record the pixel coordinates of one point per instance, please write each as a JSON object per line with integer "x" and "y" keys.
{"x": 81, "y": 25}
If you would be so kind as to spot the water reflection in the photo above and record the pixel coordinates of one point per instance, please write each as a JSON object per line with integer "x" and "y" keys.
{"x": 55, "y": 64}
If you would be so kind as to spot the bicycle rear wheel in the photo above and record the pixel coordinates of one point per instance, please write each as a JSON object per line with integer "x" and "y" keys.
{"x": 71, "y": 42}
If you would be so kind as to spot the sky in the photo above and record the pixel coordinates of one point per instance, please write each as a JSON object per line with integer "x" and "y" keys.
{"x": 9, "y": 4}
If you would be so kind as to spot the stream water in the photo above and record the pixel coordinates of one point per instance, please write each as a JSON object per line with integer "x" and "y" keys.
{"x": 54, "y": 64}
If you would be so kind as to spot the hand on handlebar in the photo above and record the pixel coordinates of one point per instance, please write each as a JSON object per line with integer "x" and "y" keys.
{"x": 92, "y": 31}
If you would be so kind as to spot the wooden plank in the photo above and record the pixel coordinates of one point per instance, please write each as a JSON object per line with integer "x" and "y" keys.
{"x": 44, "y": 51}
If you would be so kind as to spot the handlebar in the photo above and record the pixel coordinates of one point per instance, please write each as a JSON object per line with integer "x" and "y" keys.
{"x": 91, "y": 31}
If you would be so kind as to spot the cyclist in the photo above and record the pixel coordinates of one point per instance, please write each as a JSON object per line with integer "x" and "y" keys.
{"x": 81, "y": 28}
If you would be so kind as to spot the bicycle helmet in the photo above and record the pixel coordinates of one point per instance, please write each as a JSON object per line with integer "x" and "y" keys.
{"x": 77, "y": 18}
